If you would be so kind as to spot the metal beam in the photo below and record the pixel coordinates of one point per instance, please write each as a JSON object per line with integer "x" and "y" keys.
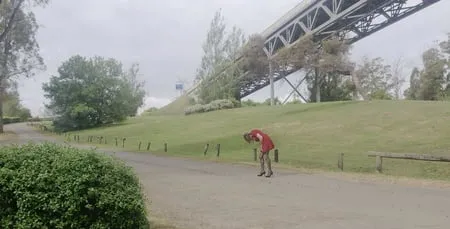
{"x": 295, "y": 88}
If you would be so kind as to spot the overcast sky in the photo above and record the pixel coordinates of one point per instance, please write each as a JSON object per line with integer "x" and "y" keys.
{"x": 165, "y": 38}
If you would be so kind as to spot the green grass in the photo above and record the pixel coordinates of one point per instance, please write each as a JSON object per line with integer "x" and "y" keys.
{"x": 307, "y": 135}
{"x": 174, "y": 108}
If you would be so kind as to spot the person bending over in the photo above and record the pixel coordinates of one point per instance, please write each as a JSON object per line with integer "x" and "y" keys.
{"x": 266, "y": 145}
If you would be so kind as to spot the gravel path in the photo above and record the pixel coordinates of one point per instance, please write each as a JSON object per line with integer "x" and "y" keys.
{"x": 195, "y": 194}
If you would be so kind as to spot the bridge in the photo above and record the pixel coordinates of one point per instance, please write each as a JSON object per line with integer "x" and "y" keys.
{"x": 350, "y": 20}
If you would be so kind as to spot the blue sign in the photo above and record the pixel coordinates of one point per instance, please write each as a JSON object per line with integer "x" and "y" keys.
{"x": 179, "y": 86}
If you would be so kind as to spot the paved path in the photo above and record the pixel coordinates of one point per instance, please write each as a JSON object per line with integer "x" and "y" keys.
{"x": 198, "y": 195}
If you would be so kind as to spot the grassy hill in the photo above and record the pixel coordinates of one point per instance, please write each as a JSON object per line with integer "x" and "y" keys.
{"x": 176, "y": 107}
{"x": 307, "y": 135}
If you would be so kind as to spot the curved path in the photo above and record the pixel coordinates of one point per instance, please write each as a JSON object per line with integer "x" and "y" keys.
{"x": 196, "y": 195}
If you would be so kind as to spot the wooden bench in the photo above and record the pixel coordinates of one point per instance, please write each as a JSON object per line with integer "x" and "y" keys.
{"x": 409, "y": 156}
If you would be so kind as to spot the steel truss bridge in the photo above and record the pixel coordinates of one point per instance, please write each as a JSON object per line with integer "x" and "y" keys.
{"x": 350, "y": 20}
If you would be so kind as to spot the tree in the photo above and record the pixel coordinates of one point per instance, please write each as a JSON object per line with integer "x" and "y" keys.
{"x": 19, "y": 50}
{"x": 433, "y": 81}
{"x": 134, "y": 90}
{"x": 220, "y": 50}
{"x": 375, "y": 78}
{"x": 12, "y": 106}
{"x": 327, "y": 62}
{"x": 445, "y": 49}
{"x": 397, "y": 77}
{"x": 412, "y": 92}
{"x": 92, "y": 92}
{"x": 213, "y": 47}
{"x": 330, "y": 63}
{"x": 432, "y": 77}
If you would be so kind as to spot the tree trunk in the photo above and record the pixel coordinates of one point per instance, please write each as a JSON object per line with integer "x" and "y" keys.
{"x": 357, "y": 84}
{"x": 2, "y": 97}
{"x": 1, "y": 112}
{"x": 317, "y": 84}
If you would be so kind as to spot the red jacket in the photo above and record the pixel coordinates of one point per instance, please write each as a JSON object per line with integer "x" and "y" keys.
{"x": 266, "y": 141}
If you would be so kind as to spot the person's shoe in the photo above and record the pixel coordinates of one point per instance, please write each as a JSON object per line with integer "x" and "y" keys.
{"x": 269, "y": 174}
{"x": 261, "y": 173}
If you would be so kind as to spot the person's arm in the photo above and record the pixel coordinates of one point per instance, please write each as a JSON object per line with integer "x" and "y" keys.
{"x": 259, "y": 136}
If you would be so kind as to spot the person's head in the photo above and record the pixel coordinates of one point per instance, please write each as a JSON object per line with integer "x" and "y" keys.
{"x": 247, "y": 137}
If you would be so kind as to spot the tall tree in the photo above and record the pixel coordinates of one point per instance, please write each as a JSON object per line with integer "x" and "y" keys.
{"x": 329, "y": 63}
{"x": 433, "y": 76}
{"x": 213, "y": 48}
{"x": 397, "y": 77}
{"x": 375, "y": 78}
{"x": 220, "y": 49}
{"x": 412, "y": 93}
{"x": 19, "y": 49}
{"x": 133, "y": 89}
{"x": 92, "y": 92}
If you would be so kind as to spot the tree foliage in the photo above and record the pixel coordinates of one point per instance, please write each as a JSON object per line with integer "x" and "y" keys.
{"x": 12, "y": 106}
{"x": 375, "y": 78}
{"x": 433, "y": 81}
{"x": 19, "y": 49}
{"x": 412, "y": 92}
{"x": 92, "y": 92}
{"x": 220, "y": 49}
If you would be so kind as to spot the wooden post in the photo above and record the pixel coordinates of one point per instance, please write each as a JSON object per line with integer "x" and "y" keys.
{"x": 255, "y": 154}
{"x": 276, "y": 155}
{"x": 148, "y": 146}
{"x": 341, "y": 161}
{"x": 101, "y": 139}
{"x": 123, "y": 142}
{"x": 165, "y": 147}
{"x": 78, "y": 138}
{"x": 116, "y": 142}
{"x": 218, "y": 150}
{"x": 206, "y": 149}
{"x": 379, "y": 164}
{"x": 140, "y": 145}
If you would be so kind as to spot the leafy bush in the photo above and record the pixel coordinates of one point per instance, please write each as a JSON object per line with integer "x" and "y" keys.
{"x": 250, "y": 103}
{"x": 8, "y": 120}
{"x": 213, "y": 106}
{"x": 51, "y": 186}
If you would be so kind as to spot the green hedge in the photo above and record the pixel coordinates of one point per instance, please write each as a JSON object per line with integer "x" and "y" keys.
{"x": 51, "y": 186}
{"x": 213, "y": 106}
{"x": 8, "y": 120}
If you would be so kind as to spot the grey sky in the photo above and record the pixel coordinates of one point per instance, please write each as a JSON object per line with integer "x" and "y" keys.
{"x": 165, "y": 37}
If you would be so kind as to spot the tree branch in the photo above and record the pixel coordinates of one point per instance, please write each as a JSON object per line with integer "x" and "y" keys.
{"x": 11, "y": 20}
